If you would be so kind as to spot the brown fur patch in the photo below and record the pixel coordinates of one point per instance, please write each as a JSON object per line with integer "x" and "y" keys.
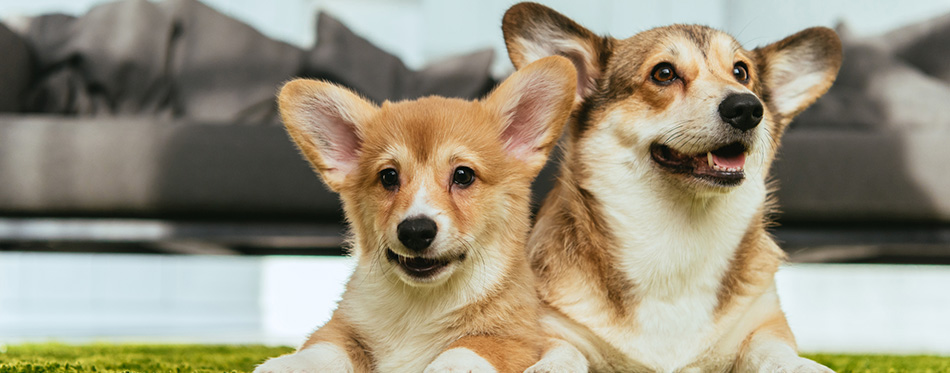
{"x": 505, "y": 355}
{"x": 569, "y": 234}
{"x": 753, "y": 265}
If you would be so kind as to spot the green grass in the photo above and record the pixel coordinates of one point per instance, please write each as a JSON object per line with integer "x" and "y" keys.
{"x": 883, "y": 363}
{"x": 108, "y": 358}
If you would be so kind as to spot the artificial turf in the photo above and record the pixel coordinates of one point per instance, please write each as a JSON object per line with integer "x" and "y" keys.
{"x": 109, "y": 358}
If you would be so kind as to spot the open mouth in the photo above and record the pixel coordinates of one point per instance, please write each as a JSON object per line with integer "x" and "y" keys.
{"x": 419, "y": 267}
{"x": 724, "y": 166}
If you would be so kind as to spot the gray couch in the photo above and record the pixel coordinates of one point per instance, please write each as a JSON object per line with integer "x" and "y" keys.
{"x": 188, "y": 156}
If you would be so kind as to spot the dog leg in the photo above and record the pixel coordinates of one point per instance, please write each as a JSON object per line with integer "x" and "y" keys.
{"x": 771, "y": 348}
{"x": 483, "y": 353}
{"x": 331, "y": 348}
{"x": 560, "y": 357}
{"x": 319, "y": 357}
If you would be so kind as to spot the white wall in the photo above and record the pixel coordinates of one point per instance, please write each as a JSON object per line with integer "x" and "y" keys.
{"x": 280, "y": 300}
{"x": 759, "y": 22}
{"x": 421, "y": 31}
{"x": 86, "y": 296}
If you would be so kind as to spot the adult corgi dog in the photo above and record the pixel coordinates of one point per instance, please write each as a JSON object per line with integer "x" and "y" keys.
{"x": 652, "y": 247}
{"x": 436, "y": 192}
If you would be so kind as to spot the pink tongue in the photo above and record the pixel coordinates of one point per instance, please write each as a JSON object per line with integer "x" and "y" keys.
{"x": 737, "y": 161}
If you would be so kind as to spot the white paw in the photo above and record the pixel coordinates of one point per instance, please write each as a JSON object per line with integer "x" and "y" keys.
{"x": 459, "y": 360}
{"x": 800, "y": 365}
{"x": 561, "y": 357}
{"x": 321, "y": 357}
{"x": 285, "y": 364}
{"x": 791, "y": 364}
{"x": 544, "y": 366}
{"x": 766, "y": 356}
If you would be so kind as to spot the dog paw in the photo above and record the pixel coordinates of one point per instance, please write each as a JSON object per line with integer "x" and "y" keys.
{"x": 809, "y": 366}
{"x": 793, "y": 365}
{"x": 317, "y": 358}
{"x": 459, "y": 360}
{"x": 560, "y": 357}
{"x": 285, "y": 364}
{"x": 557, "y": 367}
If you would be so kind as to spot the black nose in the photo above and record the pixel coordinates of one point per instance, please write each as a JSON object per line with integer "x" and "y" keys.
{"x": 742, "y": 111}
{"x": 417, "y": 233}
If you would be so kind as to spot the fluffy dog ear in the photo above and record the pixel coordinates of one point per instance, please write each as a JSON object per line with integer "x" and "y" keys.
{"x": 799, "y": 69}
{"x": 533, "y": 31}
{"x": 534, "y": 104}
{"x": 325, "y": 121}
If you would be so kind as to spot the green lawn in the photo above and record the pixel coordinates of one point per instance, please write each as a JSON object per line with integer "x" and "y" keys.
{"x": 108, "y": 358}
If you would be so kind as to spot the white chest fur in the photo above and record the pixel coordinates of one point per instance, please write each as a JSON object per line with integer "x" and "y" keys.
{"x": 407, "y": 328}
{"x": 404, "y": 336}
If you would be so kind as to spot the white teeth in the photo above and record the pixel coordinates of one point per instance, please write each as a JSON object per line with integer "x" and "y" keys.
{"x": 729, "y": 169}
{"x": 714, "y": 166}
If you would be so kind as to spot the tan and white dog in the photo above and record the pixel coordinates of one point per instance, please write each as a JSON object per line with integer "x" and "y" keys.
{"x": 437, "y": 194}
{"x": 652, "y": 247}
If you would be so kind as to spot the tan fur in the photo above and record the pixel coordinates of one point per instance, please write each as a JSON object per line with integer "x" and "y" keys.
{"x": 755, "y": 262}
{"x": 485, "y": 300}
{"x": 629, "y": 302}
{"x": 506, "y": 355}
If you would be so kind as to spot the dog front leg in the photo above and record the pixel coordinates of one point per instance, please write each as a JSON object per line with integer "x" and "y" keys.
{"x": 332, "y": 348}
{"x": 485, "y": 353}
{"x": 560, "y": 357}
{"x": 771, "y": 348}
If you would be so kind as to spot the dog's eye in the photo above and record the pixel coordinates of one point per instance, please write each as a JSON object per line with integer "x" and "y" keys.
{"x": 663, "y": 73}
{"x": 741, "y": 72}
{"x": 463, "y": 176}
{"x": 389, "y": 178}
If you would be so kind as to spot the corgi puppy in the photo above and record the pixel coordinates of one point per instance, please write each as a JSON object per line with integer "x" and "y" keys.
{"x": 652, "y": 248}
{"x": 436, "y": 192}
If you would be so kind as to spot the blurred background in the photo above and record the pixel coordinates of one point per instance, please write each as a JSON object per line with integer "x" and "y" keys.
{"x": 149, "y": 194}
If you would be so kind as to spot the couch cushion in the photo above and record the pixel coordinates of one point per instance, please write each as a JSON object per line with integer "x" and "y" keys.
{"x": 16, "y": 70}
{"x": 925, "y": 45}
{"x": 465, "y": 76}
{"x": 223, "y": 69}
{"x": 342, "y": 56}
{"x": 857, "y": 176}
{"x": 109, "y": 61}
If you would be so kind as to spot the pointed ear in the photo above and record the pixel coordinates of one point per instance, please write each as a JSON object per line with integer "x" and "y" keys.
{"x": 534, "y": 31}
{"x": 325, "y": 121}
{"x": 799, "y": 69}
{"x": 534, "y": 104}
